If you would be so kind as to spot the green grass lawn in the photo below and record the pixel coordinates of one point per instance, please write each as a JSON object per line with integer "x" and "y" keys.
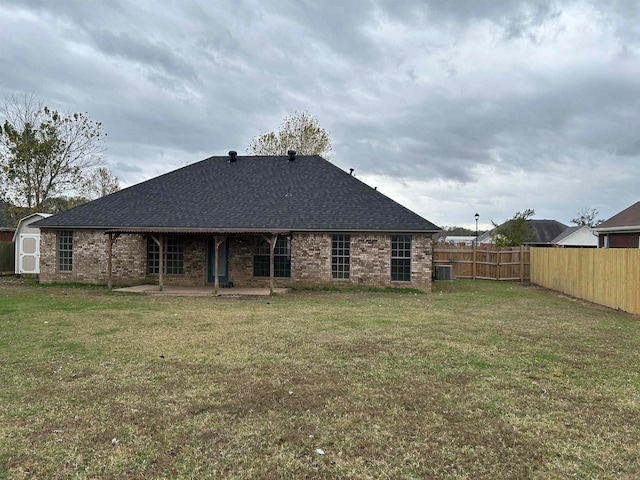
{"x": 477, "y": 380}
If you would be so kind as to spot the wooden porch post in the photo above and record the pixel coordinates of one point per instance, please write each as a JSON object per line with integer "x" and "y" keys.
{"x": 272, "y": 255}
{"x": 272, "y": 268}
{"x": 111, "y": 240}
{"x": 217, "y": 241}
{"x": 161, "y": 265}
{"x": 160, "y": 242}
{"x": 109, "y": 252}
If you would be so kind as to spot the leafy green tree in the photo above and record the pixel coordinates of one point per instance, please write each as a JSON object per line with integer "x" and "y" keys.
{"x": 43, "y": 153}
{"x": 515, "y": 231}
{"x": 587, "y": 217}
{"x": 300, "y": 132}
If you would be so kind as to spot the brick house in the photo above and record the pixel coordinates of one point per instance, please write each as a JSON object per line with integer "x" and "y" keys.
{"x": 241, "y": 221}
{"x": 622, "y": 230}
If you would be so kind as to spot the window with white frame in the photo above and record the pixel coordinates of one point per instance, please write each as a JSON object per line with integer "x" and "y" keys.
{"x": 65, "y": 250}
{"x": 281, "y": 259}
{"x": 341, "y": 256}
{"x": 401, "y": 258}
{"x": 173, "y": 256}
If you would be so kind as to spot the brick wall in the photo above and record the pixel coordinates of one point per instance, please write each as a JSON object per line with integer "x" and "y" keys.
{"x": 195, "y": 264}
{"x": 310, "y": 261}
{"x": 241, "y": 265}
{"x": 370, "y": 261}
{"x": 90, "y": 258}
{"x": 621, "y": 240}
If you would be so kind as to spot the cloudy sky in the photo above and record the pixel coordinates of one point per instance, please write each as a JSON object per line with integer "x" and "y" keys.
{"x": 450, "y": 108}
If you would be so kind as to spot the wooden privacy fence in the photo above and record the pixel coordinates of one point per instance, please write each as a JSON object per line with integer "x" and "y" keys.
{"x": 606, "y": 276}
{"x": 485, "y": 262}
{"x": 7, "y": 258}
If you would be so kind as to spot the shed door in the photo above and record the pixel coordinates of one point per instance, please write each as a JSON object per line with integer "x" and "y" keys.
{"x": 29, "y": 253}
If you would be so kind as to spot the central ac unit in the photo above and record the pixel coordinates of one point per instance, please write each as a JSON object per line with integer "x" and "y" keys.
{"x": 444, "y": 272}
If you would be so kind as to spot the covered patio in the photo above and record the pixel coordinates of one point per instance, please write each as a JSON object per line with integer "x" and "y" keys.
{"x": 218, "y": 252}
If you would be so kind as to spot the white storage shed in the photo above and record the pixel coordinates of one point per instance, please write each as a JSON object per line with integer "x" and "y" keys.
{"x": 27, "y": 242}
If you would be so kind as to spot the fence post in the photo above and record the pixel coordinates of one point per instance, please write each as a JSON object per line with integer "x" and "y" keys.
{"x": 490, "y": 258}
{"x": 475, "y": 253}
{"x": 7, "y": 257}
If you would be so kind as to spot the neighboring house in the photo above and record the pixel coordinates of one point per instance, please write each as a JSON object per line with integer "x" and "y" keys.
{"x": 622, "y": 230}
{"x": 485, "y": 238}
{"x": 6, "y": 234}
{"x": 27, "y": 244}
{"x": 544, "y": 232}
{"x": 457, "y": 239}
{"x": 579, "y": 236}
{"x": 284, "y": 220}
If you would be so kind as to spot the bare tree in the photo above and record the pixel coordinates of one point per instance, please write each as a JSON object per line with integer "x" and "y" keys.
{"x": 99, "y": 183}
{"x": 22, "y": 109}
{"x": 587, "y": 217}
{"x": 300, "y": 132}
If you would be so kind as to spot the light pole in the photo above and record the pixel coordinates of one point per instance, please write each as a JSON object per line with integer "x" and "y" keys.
{"x": 476, "y": 216}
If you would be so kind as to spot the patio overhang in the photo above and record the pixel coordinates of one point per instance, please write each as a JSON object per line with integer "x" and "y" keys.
{"x": 218, "y": 234}
{"x": 188, "y": 230}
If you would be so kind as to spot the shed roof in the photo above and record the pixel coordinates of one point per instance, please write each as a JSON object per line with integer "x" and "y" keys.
{"x": 252, "y": 193}
{"x": 24, "y": 220}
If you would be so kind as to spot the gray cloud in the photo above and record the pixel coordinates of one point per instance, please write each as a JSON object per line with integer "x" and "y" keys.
{"x": 487, "y": 103}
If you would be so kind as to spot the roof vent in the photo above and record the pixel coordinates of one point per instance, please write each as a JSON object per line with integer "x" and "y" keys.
{"x": 232, "y": 155}
{"x": 292, "y": 155}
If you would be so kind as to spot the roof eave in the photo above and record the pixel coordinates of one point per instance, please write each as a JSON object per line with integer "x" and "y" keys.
{"x": 195, "y": 230}
{"x": 142, "y": 230}
{"x": 368, "y": 230}
{"x": 630, "y": 228}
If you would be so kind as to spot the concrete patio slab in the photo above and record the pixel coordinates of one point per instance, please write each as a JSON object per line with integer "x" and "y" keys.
{"x": 199, "y": 291}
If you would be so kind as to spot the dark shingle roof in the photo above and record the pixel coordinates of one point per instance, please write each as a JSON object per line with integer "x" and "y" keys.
{"x": 544, "y": 231}
{"x": 629, "y": 217}
{"x": 252, "y": 193}
{"x": 568, "y": 231}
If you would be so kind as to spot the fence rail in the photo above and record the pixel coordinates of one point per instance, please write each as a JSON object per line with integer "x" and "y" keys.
{"x": 7, "y": 258}
{"x": 606, "y": 276}
{"x": 484, "y": 262}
